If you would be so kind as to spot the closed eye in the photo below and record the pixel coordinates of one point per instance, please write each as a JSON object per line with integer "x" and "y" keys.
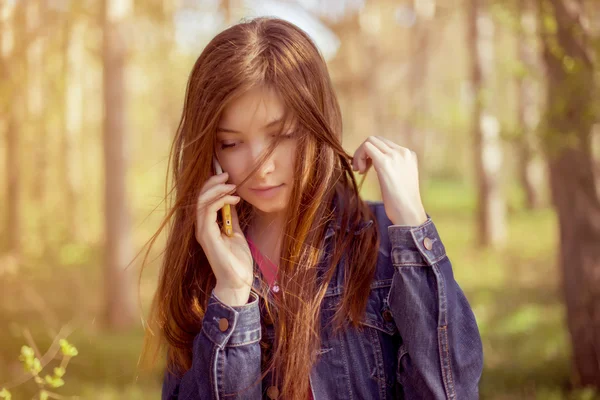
{"x": 230, "y": 145}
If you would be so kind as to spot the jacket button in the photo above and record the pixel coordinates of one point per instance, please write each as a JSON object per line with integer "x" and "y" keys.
{"x": 428, "y": 243}
{"x": 387, "y": 315}
{"x": 273, "y": 392}
{"x": 223, "y": 324}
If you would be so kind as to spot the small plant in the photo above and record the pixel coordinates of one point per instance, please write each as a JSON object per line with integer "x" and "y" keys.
{"x": 5, "y": 394}
{"x": 33, "y": 366}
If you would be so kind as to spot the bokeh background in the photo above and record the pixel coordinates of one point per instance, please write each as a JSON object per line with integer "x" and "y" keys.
{"x": 499, "y": 98}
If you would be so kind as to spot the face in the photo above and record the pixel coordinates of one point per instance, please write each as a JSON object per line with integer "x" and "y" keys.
{"x": 246, "y": 129}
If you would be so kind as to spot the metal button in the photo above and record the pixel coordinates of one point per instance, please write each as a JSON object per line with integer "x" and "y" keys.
{"x": 428, "y": 243}
{"x": 223, "y": 324}
{"x": 273, "y": 392}
{"x": 387, "y": 315}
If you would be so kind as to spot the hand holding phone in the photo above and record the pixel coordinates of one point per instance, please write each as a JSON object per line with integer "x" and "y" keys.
{"x": 227, "y": 252}
{"x": 226, "y": 210}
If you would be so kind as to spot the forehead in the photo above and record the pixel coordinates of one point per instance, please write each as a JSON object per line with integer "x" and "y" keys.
{"x": 253, "y": 110}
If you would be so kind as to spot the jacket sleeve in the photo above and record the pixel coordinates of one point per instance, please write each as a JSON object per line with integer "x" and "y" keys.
{"x": 226, "y": 356}
{"x": 441, "y": 355}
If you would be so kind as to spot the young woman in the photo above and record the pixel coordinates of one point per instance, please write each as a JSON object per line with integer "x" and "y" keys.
{"x": 317, "y": 294}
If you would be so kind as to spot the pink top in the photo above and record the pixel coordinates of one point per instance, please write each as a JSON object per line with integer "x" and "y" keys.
{"x": 266, "y": 266}
{"x": 269, "y": 271}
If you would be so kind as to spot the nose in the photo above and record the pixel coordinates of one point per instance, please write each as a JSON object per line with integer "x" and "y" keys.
{"x": 267, "y": 168}
{"x": 269, "y": 164}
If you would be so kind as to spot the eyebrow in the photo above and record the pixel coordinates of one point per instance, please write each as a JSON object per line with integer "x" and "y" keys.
{"x": 270, "y": 124}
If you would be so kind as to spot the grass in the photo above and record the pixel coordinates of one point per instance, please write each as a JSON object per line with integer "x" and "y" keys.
{"x": 514, "y": 292}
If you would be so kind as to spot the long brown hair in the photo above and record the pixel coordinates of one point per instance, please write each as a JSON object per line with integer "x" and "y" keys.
{"x": 265, "y": 52}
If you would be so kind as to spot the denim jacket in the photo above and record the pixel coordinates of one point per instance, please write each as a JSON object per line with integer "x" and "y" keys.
{"x": 419, "y": 338}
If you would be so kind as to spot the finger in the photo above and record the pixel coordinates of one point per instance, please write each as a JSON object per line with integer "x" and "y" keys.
{"x": 208, "y": 196}
{"x": 391, "y": 144}
{"x": 215, "y": 180}
{"x": 373, "y": 152}
{"x": 354, "y": 162}
{"x": 359, "y": 161}
{"x": 207, "y": 208}
{"x": 219, "y": 203}
{"x": 380, "y": 144}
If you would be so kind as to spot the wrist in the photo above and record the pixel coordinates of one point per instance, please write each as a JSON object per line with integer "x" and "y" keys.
{"x": 413, "y": 218}
{"x": 232, "y": 297}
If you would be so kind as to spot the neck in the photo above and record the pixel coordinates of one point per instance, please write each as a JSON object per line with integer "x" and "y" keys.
{"x": 267, "y": 223}
{"x": 266, "y": 231}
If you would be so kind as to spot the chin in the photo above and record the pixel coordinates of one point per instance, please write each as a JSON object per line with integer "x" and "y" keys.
{"x": 269, "y": 210}
{"x": 268, "y": 206}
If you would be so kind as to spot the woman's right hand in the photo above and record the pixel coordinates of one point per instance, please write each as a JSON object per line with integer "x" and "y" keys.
{"x": 229, "y": 257}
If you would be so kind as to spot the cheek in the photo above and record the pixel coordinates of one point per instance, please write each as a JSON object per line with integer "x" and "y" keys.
{"x": 287, "y": 157}
{"x": 234, "y": 166}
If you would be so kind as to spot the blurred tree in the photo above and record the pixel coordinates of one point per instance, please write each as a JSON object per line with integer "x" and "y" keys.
{"x": 73, "y": 62}
{"x": 228, "y": 11}
{"x": 487, "y": 147}
{"x": 354, "y": 68}
{"x": 419, "y": 38}
{"x": 11, "y": 32}
{"x": 37, "y": 116}
{"x": 531, "y": 170}
{"x": 570, "y": 63}
{"x": 120, "y": 311}
{"x": 365, "y": 73}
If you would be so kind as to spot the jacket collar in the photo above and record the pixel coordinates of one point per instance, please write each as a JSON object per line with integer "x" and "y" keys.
{"x": 334, "y": 225}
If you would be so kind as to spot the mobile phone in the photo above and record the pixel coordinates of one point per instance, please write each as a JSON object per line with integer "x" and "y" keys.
{"x": 226, "y": 210}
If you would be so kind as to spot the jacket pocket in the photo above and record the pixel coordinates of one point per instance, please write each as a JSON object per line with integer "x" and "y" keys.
{"x": 402, "y": 359}
{"x": 380, "y": 339}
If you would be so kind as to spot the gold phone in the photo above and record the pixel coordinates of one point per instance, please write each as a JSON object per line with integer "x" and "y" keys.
{"x": 226, "y": 210}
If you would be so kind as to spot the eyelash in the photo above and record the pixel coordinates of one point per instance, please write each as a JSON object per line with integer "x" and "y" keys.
{"x": 227, "y": 146}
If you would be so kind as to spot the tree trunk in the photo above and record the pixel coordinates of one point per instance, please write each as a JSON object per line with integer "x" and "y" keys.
{"x": 567, "y": 144}
{"x": 419, "y": 39}
{"x": 37, "y": 112}
{"x": 119, "y": 302}
{"x": 487, "y": 148}
{"x": 11, "y": 30}
{"x": 531, "y": 167}
{"x": 73, "y": 61}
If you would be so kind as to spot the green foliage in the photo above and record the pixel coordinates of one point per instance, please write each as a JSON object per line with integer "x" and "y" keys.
{"x": 67, "y": 349}
{"x": 33, "y": 366}
{"x": 5, "y": 394}
{"x": 30, "y": 362}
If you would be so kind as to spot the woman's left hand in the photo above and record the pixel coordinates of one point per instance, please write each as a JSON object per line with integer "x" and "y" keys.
{"x": 398, "y": 175}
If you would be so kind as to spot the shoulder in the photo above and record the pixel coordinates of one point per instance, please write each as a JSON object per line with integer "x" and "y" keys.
{"x": 381, "y": 222}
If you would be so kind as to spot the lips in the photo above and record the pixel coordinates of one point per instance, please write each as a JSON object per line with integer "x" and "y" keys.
{"x": 265, "y": 187}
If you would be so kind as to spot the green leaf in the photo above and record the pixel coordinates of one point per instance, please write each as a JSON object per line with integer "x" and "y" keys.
{"x": 27, "y": 352}
{"x": 68, "y": 349}
{"x": 54, "y": 382}
{"x": 36, "y": 366}
{"x": 59, "y": 372}
{"x": 5, "y": 394}
{"x": 73, "y": 351}
{"x": 43, "y": 395}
